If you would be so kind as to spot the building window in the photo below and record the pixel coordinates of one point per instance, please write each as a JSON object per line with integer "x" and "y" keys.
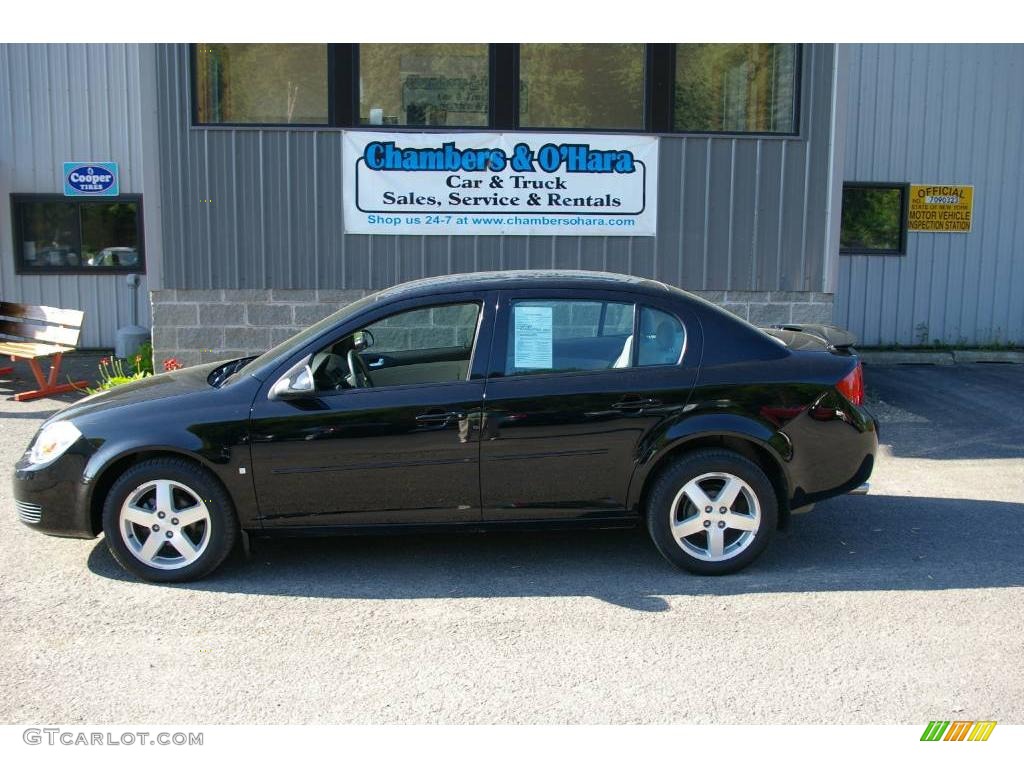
{"x": 423, "y": 84}
{"x": 589, "y": 86}
{"x": 260, "y": 83}
{"x": 874, "y": 219}
{"x": 55, "y": 234}
{"x": 736, "y": 88}
{"x": 655, "y": 87}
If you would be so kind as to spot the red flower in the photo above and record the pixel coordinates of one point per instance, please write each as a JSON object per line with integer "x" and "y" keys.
{"x": 104, "y": 361}
{"x": 171, "y": 364}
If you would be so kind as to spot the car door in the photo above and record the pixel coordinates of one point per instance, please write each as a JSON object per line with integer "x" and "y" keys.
{"x": 570, "y": 398}
{"x": 404, "y": 449}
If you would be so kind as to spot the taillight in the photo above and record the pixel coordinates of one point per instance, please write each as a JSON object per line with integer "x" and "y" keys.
{"x": 851, "y": 386}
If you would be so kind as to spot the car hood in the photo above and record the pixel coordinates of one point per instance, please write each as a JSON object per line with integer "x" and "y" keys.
{"x": 166, "y": 385}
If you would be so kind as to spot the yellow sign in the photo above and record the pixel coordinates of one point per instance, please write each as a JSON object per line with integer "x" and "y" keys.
{"x": 940, "y": 208}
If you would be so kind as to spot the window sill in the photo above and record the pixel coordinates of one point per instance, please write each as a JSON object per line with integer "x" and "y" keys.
{"x": 140, "y": 270}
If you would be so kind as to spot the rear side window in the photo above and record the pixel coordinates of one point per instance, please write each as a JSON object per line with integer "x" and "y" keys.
{"x": 661, "y": 338}
{"x": 559, "y": 335}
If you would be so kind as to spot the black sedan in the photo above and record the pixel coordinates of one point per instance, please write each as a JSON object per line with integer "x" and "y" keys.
{"x": 480, "y": 401}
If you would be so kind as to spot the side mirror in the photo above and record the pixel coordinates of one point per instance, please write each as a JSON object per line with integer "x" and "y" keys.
{"x": 297, "y": 382}
{"x": 362, "y": 340}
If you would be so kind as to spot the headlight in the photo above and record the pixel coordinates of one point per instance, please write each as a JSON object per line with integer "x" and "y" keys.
{"x": 51, "y": 443}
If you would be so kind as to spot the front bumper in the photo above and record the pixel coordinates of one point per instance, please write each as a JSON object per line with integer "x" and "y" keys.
{"x": 55, "y": 499}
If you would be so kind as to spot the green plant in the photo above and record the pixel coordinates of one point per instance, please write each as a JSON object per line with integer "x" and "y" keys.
{"x": 142, "y": 360}
{"x": 114, "y": 372}
{"x": 922, "y": 334}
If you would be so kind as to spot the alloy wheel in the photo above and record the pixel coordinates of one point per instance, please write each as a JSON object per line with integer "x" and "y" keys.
{"x": 715, "y": 516}
{"x": 165, "y": 524}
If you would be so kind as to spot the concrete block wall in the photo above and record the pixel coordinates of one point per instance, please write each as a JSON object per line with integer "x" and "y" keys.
{"x": 424, "y": 329}
{"x": 198, "y": 326}
{"x": 770, "y": 307}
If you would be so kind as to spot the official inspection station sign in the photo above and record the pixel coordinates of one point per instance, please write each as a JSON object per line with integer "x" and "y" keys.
{"x": 940, "y": 208}
{"x": 91, "y": 180}
{"x": 499, "y": 184}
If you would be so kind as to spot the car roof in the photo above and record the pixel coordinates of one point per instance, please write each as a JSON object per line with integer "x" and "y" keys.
{"x": 522, "y": 278}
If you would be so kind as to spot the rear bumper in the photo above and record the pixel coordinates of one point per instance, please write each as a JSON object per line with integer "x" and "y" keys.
{"x": 54, "y": 499}
{"x": 832, "y": 457}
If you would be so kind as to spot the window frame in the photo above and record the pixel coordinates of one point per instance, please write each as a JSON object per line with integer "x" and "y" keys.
{"x": 20, "y": 268}
{"x": 658, "y": 93}
{"x": 901, "y": 249}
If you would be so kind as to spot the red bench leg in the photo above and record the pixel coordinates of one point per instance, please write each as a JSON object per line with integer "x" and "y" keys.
{"x": 48, "y": 384}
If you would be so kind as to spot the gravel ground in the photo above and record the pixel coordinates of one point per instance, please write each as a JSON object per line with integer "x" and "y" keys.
{"x": 903, "y": 606}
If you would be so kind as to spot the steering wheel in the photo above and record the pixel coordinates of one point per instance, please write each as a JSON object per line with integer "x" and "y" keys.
{"x": 358, "y": 370}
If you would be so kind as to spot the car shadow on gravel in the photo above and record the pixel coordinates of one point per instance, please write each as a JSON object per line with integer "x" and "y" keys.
{"x": 851, "y": 543}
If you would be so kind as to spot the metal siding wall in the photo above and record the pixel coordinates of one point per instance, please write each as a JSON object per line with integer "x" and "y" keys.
{"x": 939, "y": 114}
{"x": 734, "y": 213}
{"x": 69, "y": 102}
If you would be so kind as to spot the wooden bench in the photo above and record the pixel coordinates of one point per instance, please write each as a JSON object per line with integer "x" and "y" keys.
{"x": 50, "y": 332}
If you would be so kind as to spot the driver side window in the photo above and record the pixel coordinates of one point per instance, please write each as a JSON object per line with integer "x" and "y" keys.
{"x": 426, "y": 345}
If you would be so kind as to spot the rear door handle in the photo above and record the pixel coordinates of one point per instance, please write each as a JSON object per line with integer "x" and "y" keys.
{"x": 635, "y": 403}
{"x": 376, "y": 363}
{"x": 440, "y": 417}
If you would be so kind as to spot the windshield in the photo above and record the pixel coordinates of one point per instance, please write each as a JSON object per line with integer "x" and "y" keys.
{"x": 262, "y": 365}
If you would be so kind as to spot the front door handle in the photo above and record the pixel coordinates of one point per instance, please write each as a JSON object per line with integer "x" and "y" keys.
{"x": 440, "y": 417}
{"x": 635, "y": 403}
{"x": 376, "y": 363}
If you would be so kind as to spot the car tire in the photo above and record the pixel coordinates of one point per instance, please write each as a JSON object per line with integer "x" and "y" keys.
{"x": 692, "y": 526}
{"x": 179, "y": 502}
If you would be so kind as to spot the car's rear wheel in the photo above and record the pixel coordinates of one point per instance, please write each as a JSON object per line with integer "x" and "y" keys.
{"x": 712, "y": 512}
{"x": 169, "y": 520}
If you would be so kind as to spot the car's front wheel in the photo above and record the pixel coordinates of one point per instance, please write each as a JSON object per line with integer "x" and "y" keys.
{"x": 712, "y": 512}
{"x": 169, "y": 520}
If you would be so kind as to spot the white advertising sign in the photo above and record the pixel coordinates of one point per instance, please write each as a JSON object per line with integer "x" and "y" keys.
{"x": 499, "y": 184}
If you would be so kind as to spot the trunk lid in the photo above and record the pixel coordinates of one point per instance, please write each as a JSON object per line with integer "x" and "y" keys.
{"x": 813, "y": 336}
